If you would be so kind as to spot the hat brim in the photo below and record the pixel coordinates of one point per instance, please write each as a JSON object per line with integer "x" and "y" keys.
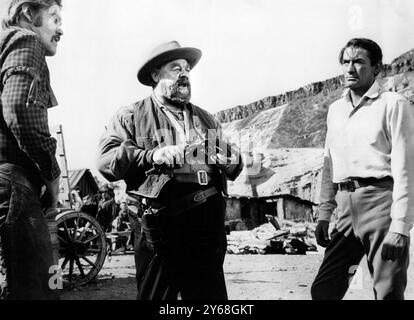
{"x": 192, "y": 55}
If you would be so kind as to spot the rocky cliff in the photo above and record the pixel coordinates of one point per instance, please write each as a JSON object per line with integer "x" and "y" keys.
{"x": 283, "y": 129}
{"x": 318, "y": 90}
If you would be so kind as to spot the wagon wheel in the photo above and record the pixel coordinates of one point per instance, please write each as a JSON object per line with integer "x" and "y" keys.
{"x": 82, "y": 248}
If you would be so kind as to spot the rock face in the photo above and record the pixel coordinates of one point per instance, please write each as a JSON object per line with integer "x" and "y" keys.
{"x": 324, "y": 92}
{"x": 288, "y": 132}
{"x": 309, "y": 92}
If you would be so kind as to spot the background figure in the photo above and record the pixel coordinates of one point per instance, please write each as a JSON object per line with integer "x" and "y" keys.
{"x": 108, "y": 209}
{"x": 91, "y": 204}
{"x": 76, "y": 200}
{"x": 122, "y": 223}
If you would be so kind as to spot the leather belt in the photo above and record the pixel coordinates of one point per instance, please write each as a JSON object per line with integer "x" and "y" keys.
{"x": 200, "y": 177}
{"x": 20, "y": 175}
{"x": 352, "y": 184}
{"x": 187, "y": 202}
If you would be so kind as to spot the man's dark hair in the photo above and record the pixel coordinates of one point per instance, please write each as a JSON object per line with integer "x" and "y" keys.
{"x": 374, "y": 50}
{"x": 16, "y": 6}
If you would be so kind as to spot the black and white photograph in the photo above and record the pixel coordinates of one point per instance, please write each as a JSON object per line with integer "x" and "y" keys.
{"x": 204, "y": 151}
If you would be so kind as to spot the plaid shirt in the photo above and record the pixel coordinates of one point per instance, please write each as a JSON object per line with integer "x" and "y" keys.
{"x": 26, "y": 95}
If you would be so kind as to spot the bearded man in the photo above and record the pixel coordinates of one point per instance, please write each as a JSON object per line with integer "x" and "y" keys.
{"x": 179, "y": 188}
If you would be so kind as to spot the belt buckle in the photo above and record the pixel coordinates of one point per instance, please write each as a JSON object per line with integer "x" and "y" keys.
{"x": 202, "y": 178}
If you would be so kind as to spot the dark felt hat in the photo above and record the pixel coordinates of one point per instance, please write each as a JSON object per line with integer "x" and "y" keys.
{"x": 164, "y": 53}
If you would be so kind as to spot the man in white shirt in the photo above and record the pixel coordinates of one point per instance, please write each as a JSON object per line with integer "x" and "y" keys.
{"x": 369, "y": 176}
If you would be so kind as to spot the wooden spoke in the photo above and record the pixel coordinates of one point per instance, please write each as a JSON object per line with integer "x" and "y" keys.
{"x": 78, "y": 263}
{"x": 76, "y": 223}
{"x": 89, "y": 261}
{"x": 65, "y": 262}
{"x": 70, "y": 270}
{"x": 62, "y": 240}
{"x": 96, "y": 236}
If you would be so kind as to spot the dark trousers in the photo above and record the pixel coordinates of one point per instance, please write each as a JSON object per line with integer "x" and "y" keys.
{"x": 25, "y": 245}
{"x": 363, "y": 222}
{"x": 189, "y": 259}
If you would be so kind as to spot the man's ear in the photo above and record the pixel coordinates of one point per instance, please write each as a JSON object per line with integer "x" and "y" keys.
{"x": 155, "y": 76}
{"x": 378, "y": 68}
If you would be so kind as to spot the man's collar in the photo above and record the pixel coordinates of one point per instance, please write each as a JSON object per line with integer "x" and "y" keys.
{"x": 156, "y": 100}
{"x": 372, "y": 92}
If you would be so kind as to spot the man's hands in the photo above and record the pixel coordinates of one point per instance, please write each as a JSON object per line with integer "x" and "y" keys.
{"x": 169, "y": 155}
{"x": 52, "y": 196}
{"x": 322, "y": 233}
{"x": 224, "y": 162}
{"x": 394, "y": 246}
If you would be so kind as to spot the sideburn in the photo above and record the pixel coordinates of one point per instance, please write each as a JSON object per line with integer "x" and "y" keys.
{"x": 37, "y": 20}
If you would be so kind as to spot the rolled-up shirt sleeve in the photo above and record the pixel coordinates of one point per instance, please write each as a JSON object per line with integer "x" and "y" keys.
{"x": 401, "y": 127}
{"x": 327, "y": 202}
{"x": 119, "y": 156}
{"x": 23, "y": 112}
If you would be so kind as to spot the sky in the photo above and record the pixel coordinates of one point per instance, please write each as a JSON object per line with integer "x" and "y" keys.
{"x": 251, "y": 49}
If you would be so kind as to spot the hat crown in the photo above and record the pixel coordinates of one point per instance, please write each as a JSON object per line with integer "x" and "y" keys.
{"x": 164, "y": 47}
{"x": 164, "y": 53}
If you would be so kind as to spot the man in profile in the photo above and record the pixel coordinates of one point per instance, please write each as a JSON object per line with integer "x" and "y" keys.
{"x": 31, "y": 31}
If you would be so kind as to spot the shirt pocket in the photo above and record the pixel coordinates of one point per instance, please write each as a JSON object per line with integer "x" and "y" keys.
{"x": 38, "y": 95}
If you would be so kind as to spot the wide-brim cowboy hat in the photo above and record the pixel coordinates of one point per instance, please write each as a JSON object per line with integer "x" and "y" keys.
{"x": 164, "y": 53}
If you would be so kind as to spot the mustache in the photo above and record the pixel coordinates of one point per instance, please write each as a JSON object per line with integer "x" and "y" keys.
{"x": 183, "y": 81}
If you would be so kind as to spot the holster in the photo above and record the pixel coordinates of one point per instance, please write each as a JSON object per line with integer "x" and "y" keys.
{"x": 154, "y": 215}
{"x": 151, "y": 226}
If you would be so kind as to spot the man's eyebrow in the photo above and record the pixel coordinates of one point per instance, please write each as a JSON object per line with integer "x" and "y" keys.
{"x": 176, "y": 64}
{"x": 353, "y": 59}
{"x": 54, "y": 14}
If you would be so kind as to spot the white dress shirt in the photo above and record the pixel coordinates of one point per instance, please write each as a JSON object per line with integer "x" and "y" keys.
{"x": 373, "y": 139}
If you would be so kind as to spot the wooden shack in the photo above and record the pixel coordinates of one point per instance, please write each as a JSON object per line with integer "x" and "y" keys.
{"x": 281, "y": 183}
{"x": 82, "y": 181}
{"x": 253, "y": 211}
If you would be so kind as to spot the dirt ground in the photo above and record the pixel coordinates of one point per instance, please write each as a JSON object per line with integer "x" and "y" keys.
{"x": 248, "y": 277}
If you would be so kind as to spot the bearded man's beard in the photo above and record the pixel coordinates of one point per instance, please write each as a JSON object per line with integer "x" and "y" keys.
{"x": 178, "y": 92}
